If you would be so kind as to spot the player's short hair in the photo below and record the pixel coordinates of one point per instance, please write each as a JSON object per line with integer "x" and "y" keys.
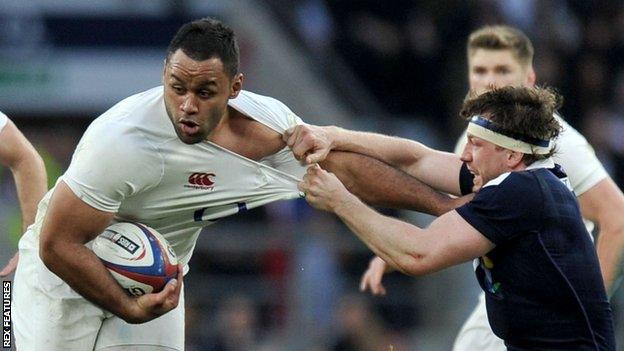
{"x": 524, "y": 112}
{"x": 502, "y": 38}
{"x": 207, "y": 38}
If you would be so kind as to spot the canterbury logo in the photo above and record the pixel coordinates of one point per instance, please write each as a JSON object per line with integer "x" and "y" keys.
{"x": 201, "y": 179}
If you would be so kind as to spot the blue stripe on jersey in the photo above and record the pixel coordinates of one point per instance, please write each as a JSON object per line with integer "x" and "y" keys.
{"x": 242, "y": 207}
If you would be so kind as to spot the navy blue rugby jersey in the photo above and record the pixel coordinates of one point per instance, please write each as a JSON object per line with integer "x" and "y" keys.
{"x": 544, "y": 289}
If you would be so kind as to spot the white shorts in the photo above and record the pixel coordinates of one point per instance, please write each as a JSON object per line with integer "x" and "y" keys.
{"x": 49, "y": 315}
{"x": 476, "y": 333}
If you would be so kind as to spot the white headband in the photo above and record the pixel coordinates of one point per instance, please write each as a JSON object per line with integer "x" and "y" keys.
{"x": 485, "y": 129}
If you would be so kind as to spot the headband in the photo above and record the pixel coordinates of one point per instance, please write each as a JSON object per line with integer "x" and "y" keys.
{"x": 487, "y": 130}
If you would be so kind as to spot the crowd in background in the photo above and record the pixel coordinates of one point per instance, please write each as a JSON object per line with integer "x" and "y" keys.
{"x": 412, "y": 56}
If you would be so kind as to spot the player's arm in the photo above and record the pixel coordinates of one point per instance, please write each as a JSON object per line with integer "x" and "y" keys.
{"x": 435, "y": 168}
{"x": 449, "y": 240}
{"x": 69, "y": 224}
{"x": 29, "y": 175}
{"x": 17, "y": 153}
{"x": 603, "y": 204}
{"x": 373, "y": 276}
{"x": 379, "y": 184}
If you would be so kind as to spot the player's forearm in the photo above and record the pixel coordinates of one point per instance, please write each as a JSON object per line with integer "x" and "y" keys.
{"x": 610, "y": 249}
{"x": 394, "y": 241}
{"x": 604, "y": 205}
{"x": 84, "y": 272}
{"x": 31, "y": 183}
{"x": 378, "y": 184}
{"x": 397, "y": 152}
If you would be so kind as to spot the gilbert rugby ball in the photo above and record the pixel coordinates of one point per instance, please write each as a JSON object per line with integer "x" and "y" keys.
{"x": 137, "y": 256}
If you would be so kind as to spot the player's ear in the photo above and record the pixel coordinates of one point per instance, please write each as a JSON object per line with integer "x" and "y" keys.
{"x": 237, "y": 85}
{"x": 514, "y": 158}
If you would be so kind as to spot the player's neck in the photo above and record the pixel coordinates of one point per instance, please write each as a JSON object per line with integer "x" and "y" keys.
{"x": 519, "y": 167}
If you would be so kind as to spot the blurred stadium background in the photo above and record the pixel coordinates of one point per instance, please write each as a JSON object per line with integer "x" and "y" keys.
{"x": 285, "y": 277}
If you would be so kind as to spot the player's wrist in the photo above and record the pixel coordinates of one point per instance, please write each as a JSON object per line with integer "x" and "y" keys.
{"x": 130, "y": 310}
{"x": 343, "y": 203}
{"x": 334, "y": 136}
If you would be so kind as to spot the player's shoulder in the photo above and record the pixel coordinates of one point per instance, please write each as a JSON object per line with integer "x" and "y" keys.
{"x": 246, "y": 97}
{"x": 264, "y": 109}
{"x": 110, "y": 132}
{"x": 515, "y": 188}
{"x": 121, "y": 129}
{"x": 131, "y": 114}
{"x": 133, "y": 108}
{"x": 533, "y": 179}
{"x": 116, "y": 140}
{"x": 117, "y": 150}
{"x": 569, "y": 138}
{"x": 505, "y": 206}
{"x": 511, "y": 181}
{"x": 578, "y": 159}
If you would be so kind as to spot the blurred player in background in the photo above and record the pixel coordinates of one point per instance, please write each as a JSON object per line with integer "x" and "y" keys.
{"x": 503, "y": 56}
{"x": 176, "y": 158}
{"x": 29, "y": 175}
{"x": 536, "y": 260}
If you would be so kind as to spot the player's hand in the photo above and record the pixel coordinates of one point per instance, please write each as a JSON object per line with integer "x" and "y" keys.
{"x": 10, "y": 267}
{"x": 322, "y": 189}
{"x": 371, "y": 279}
{"x": 150, "y": 306}
{"x": 310, "y": 144}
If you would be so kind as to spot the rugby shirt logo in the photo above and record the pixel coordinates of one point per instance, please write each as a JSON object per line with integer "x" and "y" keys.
{"x": 201, "y": 180}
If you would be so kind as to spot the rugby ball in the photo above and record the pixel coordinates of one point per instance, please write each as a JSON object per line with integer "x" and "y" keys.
{"x": 137, "y": 256}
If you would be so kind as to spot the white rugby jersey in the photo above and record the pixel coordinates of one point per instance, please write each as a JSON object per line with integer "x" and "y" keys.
{"x": 576, "y": 157}
{"x": 130, "y": 161}
{"x": 3, "y": 120}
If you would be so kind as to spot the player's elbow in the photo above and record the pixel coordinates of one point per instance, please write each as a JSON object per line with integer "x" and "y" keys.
{"x": 30, "y": 163}
{"x": 611, "y": 225}
{"x": 37, "y": 163}
{"x": 615, "y": 231}
{"x": 344, "y": 166}
{"x": 49, "y": 248}
{"x": 337, "y": 162}
{"x": 46, "y": 253}
{"x": 415, "y": 264}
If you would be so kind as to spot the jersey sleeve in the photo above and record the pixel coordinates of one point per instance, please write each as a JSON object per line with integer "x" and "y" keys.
{"x": 3, "y": 120}
{"x": 578, "y": 160}
{"x": 503, "y": 210}
{"x": 266, "y": 110}
{"x": 112, "y": 162}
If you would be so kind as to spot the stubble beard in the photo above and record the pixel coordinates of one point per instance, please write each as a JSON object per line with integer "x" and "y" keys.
{"x": 187, "y": 139}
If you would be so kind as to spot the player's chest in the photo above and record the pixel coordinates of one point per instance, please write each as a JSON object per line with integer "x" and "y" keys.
{"x": 210, "y": 174}
{"x": 201, "y": 186}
